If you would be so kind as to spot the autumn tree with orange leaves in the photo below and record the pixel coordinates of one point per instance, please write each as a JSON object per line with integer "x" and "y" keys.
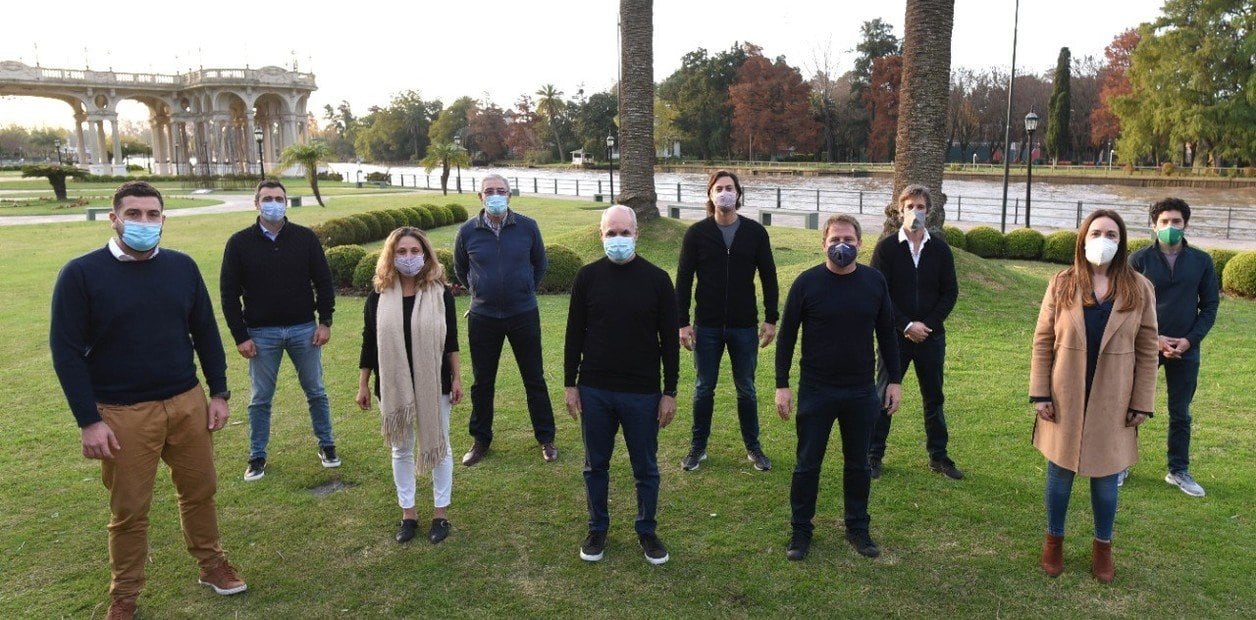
{"x": 1114, "y": 82}
{"x": 881, "y": 101}
{"x": 772, "y": 109}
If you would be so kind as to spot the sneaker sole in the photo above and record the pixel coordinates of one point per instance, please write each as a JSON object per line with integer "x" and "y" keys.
{"x": 756, "y": 465}
{"x": 657, "y": 561}
{"x": 696, "y": 465}
{"x": 1169, "y": 479}
{"x": 328, "y": 464}
{"x": 224, "y": 591}
{"x": 248, "y": 478}
{"x": 591, "y": 558}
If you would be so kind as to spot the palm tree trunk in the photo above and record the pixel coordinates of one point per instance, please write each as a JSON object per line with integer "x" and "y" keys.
{"x": 636, "y": 108}
{"x": 922, "y": 106}
{"x": 444, "y": 179}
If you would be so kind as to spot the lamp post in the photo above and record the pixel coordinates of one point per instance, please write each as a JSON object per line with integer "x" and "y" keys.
{"x": 57, "y": 143}
{"x": 261, "y": 159}
{"x": 610, "y": 163}
{"x": 458, "y": 144}
{"x": 1111, "y": 152}
{"x": 176, "y": 160}
{"x": 1031, "y": 125}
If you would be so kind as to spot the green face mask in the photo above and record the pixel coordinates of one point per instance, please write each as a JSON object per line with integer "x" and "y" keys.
{"x": 1170, "y": 235}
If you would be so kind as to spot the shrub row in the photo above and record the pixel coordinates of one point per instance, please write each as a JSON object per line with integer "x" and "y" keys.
{"x": 353, "y": 267}
{"x": 369, "y": 226}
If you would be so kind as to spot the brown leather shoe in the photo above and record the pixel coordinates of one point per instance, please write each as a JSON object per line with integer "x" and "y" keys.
{"x": 121, "y": 609}
{"x": 223, "y": 579}
{"x": 1053, "y": 555}
{"x": 549, "y": 452}
{"x": 1101, "y": 561}
{"x": 475, "y": 454}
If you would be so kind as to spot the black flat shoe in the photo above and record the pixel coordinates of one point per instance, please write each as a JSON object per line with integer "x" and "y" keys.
{"x": 439, "y": 531}
{"x": 407, "y": 530}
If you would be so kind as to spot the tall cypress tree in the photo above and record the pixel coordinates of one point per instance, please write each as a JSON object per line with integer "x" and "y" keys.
{"x": 1059, "y": 109}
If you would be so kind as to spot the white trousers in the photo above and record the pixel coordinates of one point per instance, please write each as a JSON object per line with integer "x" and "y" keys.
{"x": 442, "y": 474}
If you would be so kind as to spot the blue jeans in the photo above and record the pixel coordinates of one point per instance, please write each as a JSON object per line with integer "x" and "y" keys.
{"x": 271, "y": 343}
{"x": 855, "y": 410}
{"x": 603, "y": 412}
{"x": 1181, "y": 377}
{"x": 1102, "y": 501}
{"x": 743, "y": 353}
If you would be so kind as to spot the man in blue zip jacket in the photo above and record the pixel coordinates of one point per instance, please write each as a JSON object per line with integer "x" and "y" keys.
{"x": 499, "y": 257}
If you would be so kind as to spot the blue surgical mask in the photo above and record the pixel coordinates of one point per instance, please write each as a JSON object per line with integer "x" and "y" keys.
{"x": 273, "y": 211}
{"x": 410, "y": 265}
{"x": 842, "y": 254}
{"x": 619, "y": 249}
{"x": 140, "y": 236}
{"x": 496, "y": 205}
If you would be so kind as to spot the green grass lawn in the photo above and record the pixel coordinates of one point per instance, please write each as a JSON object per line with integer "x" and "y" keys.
{"x": 30, "y": 204}
{"x": 965, "y": 548}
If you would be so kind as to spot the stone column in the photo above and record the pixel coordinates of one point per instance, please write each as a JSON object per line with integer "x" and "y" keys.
{"x": 119, "y": 168}
{"x": 79, "y": 119}
{"x": 250, "y": 149}
{"x": 101, "y": 158}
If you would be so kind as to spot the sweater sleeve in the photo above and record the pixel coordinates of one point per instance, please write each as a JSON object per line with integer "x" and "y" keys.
{"x": 1043, "y": 357}
{"x": 888, "y": 335}
{"x": 369, "y": 356}
{"x": 205, "y": 337}
{"x": 230, "y": 288}
{"x": 324, "y": 286}
{"x": 451, "y": 322}
{"x": 540, "y": 262}
{"x": 1209, "y": 299}
{"x": 948, "y": 288}
{"x": 684, "y": 277}
{"x": 787, "y": 333}
{"x": 577, "y": 321}
{"x": 767, "y": 277}
{"x": 68, "y": 341}
{"x": 881, "y": 262}
{"x": 462, "y": 261}
{"x": 668, "y": 326}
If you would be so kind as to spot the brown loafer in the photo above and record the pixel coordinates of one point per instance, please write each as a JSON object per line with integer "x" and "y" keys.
{"x": 549, "y": 452}
{"x": 475, "y": 454}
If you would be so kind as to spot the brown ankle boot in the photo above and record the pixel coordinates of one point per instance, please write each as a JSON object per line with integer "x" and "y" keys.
{"x": 1053, "y": 555}
{"x": 1101, "y": 561}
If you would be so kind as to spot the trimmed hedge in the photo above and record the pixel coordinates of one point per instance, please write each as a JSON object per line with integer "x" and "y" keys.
{"x": 1135, "y": 245}
{"x": 985, "y": 242}
{"x": 1221, "y": 258}
{"x": 369, "y": 226}
{"x": 1023, "y": 243}
{"x": 446, "y": 259}
{"x": 365, "y": 271}
{"x": 364, "y": 232}
{"x": 1058, "y": 247}
{"x": 563, "y": 265}
{"x": 459, "y": 212}
{"x": 343, "y": 260}
{"x": 954, "y": 237}
{"x": 414, "y": 216}
{"x": 1240, "y": 275}
{"x": 442, "y": 215}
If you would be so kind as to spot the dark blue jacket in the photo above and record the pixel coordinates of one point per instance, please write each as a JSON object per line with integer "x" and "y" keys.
{"x": 1186, "y": 296}
{"x": 502, "y": 272}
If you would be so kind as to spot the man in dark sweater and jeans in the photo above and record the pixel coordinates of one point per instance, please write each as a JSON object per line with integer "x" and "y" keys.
{"x": 1186, "y": 307}
{"x": 838, "y": 305}
{"x": 724, "y": 251}
{"x": 919, "y": 270}
{"x": 281, "y": 272}
{"x": 621, "y": 326}
{"x": 127, "y": 320}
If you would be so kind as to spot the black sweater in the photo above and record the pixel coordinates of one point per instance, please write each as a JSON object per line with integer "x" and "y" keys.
{"x": 369, "y": 357}
{"x": 1186, "y": 296}
{"x": 725, "y": 295}
{"x": 621, "y": 324}
{"x": 926, "y": 293}
{"x": 837, "y": 314}
{"x": 282, "y": 281}
{"x": 124, "y": 332}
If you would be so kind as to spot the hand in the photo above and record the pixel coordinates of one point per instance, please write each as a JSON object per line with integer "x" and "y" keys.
{"x": 247, "y": 349}
{"x": 99, "y": 442}
{"x": 893, "y": 398}
{"x": 218, "y": 413}
{"x": 455, "y": 391}
{"x": 767, "y": 333}
{"x": 1165, "y": 344}
{"x": 571, "y": 396}
{"x": 667, "y": 410}
{"x": 784, "y": 402}
{"x": 1182, "y": 346}
{"x": 363, "y": 399}
{"x": 322, "y": 334}
{"x": 918, "y": 332}
{"x": 1045, "y": 410}
{"x": 686, "y": 337}
{"x": 1133, "y": 419}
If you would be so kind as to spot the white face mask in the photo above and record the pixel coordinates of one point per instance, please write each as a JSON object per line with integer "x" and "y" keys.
{"x": 1100, "y": 250}
{"x": 913, "y": 220}
{"x": 726, "y": 201}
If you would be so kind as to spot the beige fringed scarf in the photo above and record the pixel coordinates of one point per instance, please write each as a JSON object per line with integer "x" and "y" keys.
{"x": 405, "y": 399}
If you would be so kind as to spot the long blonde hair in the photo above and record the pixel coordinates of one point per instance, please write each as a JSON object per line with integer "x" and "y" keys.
{"x": 433, "y": 271}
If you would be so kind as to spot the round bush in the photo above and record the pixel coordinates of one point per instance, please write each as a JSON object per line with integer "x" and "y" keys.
{"x": 364, "y": 229}
{"x": 1220, "y": 258}
{"x": 399, "y": 218}
{"x": 1023, "y": 243}
{"x": 446, "y": 259}
{"x": 985, "y": 242}
{"x": 563, "y": 265}
{"x": 1134, "y": 245}
{"x": 458, "y": 211}
{"x": 374, "y": 228}
{"x": 1058, "y": 247}
{"x": 427, "y": 221}
{"x": 343, "y": 260}
{"x": 337, "y": 231}
{"x": 383, "y": 223}
{"x": 365, "y": 271}
{"x": 1240, "y": 275}
{"x": 954, "y": 237}
{"x": 414, "y": 216}
{"x": 442, "y": 216}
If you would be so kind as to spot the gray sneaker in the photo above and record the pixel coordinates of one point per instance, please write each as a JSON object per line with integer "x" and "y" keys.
{"x": 1184, "y": 481}
{"x": 1120, "y": 477}
{"x": 693, "y": 460}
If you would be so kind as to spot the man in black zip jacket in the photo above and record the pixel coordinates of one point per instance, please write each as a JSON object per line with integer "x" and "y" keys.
{"x": 920, "y": 272}
{"x": 724, "y": 251}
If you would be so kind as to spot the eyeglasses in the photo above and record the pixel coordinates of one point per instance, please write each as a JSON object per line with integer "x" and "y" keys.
{"x": 496, "y": 191}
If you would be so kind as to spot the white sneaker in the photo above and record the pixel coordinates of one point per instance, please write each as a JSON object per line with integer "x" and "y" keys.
{"x": 1120, "y": 478}
{"x": 1185, "y": 482}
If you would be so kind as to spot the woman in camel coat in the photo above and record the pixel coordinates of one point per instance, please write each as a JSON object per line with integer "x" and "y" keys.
{"x": 1092, "y": 380}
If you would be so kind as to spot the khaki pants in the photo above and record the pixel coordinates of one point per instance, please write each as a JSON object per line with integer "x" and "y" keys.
{"x": 176, "y": 431}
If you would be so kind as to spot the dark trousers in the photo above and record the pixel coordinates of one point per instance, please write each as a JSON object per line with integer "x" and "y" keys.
{"x": 1181, "y": 377}
{"x": 486, "y": 336}
{"x": 929, "y": 358}
{"x": 603, "y": 412}
{"x": 854, "y": 409}
{"x": 743, "y": 354}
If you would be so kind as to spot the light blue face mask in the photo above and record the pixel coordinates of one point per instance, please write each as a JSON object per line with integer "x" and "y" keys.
{"x": 619, "y": 249}
{"x": 140, "y": 236}
{"x": 496, "y": 205}
{"x": 273, "y": 211}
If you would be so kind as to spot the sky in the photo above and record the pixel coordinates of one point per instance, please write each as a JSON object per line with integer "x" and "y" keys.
{"x": 501, "y": 49}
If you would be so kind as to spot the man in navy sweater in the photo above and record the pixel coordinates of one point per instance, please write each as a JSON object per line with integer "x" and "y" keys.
{"x": 126, "y": 322}
{"x": 280, "y": 271}
{"x": 919, "y": 270}
{"x": 838, "y": 305}
{"x": 1186, "y": 307}
{"x": 500, "y": 257}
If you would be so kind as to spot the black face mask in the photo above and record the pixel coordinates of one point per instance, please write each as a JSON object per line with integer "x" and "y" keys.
{"x": 842, "y": 254}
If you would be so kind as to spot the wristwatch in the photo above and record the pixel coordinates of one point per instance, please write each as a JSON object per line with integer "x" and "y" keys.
{"x": 671, "y": 393}
{"x": 225, "y": 395}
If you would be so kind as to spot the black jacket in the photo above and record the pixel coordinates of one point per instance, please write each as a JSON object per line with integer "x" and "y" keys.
{"x": 282, "y": 281}
{"x": 1186, "y": 296}
{"x": 926, "y": 293}
{"x": 726, "y": 295}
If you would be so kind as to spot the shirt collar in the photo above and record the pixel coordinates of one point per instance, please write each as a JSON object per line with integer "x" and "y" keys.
{"x": 122, "y": 256}
{"x": 902, "y": 236}
{"x": 270, "y": 235}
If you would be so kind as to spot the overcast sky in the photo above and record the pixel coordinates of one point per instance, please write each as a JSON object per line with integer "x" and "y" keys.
{"x": 363, "y": 52}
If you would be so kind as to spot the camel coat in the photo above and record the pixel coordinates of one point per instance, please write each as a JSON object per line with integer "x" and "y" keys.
{"x": 1092, "y": 439}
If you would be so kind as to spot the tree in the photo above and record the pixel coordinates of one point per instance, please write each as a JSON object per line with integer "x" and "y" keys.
{"x": 309, "y": 156}
{"x": 444, "y": 154}
{"x": 56, "y": 175}
{"x": 451, "y": 120}
{"x": 636, "y": 108}
{"x": 486, "y": 131}
{"x": 877, "y": 40}
{"x": 698, "y": 93}
{"x": 1114, "y": 82}
{"x": 1059, "y": 109}
{"x": 922, "y": 102}
{"x": 772, "y": 108}
{"x": 550, "y": 105}
{"x": 522, "y": 132}
{"x": 596, "y": 120}
{"x": 881, "y": 101}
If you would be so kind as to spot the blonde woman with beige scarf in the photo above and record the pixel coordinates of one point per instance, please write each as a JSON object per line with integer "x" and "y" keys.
{"x": 410, "y": 342}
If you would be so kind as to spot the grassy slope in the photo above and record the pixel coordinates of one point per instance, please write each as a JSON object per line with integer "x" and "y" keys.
{"x": 966, "y": 548}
